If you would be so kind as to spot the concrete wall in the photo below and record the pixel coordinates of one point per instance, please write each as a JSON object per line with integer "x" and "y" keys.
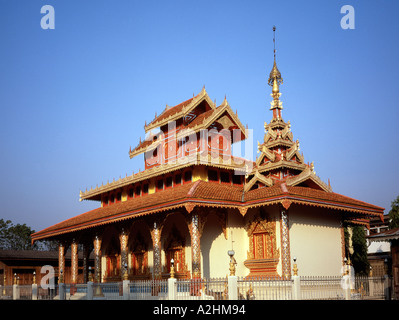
{"x": 315, "y": 240}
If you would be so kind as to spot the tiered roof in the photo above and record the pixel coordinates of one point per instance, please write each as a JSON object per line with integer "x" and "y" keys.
{"x": 207, "y": 194}
{"x": 192, "y": 120}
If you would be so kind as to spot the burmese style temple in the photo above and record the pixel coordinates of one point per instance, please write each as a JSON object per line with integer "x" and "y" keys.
{"x": 195, "y": 201}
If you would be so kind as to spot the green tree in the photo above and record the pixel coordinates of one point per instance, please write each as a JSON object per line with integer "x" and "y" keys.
{"x": 394, "y": 214}
{"x": 15, "y": 237}
{"x": 4, "y": 233}
{"x": 359, "y": 257}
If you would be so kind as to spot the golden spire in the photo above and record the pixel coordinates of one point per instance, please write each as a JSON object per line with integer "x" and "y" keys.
{"x": 275, "y": 73}
{"x": 274, "y": 81}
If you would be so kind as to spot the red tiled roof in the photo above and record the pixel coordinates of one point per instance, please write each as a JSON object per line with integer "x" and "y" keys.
{"x": 391, "y": 234}
{"x": 312, "y": 197}
{"x": 203, "y": 193}
{"x": 122, "y": 210}
{"x": 171, "y": 111}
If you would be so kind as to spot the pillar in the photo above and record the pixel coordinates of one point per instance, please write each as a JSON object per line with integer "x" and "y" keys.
{"x": 61, "y": 262}
{"x": 156, "y": 243}
{"x": 74, "y": 262}
{"x": 97, "y": 259}
{"x": 285, "y": 245}
{"x": 195, "y": 245}
{"x": 124, "y": 237}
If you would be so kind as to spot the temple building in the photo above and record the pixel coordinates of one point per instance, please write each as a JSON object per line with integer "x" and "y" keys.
{"x": 195, "y": 201}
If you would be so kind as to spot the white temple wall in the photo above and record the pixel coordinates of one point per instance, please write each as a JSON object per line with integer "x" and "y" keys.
{"x": 238, "y": 240}
{"x": 315, "y": 240}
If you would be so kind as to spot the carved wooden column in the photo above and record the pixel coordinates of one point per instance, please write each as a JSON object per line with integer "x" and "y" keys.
{"x": 156, "y": 243}
{"x": 285, "y": 244}
{"x": 74, "y": 262}
{"x": 97, "y": 259}
{"x": 123, "y": 238}
{"x": 61, "y": 262}
{"x": 195, "y": 227}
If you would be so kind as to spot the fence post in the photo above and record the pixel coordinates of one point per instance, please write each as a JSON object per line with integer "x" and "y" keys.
{"x": 16, "y": 292}
{"x": 172, "y": 288}
{"x": 371, "y": 286}
{"x": 296, "y": 289}
{"x": 61, "y": 291}
{"x": 34, "y": 291}
{"x": 89, "y": 295}
{"x": 126, "y": 293}
{"x": 347, "y": 286}
{"x": 387, "y": 288}
{"x": 232, "y": 287}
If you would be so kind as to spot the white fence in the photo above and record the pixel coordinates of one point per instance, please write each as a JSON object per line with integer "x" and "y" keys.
{"x": 229, "y": 288}
{"x": 264, "y": 288}
{"x": 148, "y": 290}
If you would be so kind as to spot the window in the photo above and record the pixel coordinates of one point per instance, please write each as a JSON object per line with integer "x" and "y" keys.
{"x": 118, "y": 197}
{"x": 187, "y": 176}
{"x": 145, "y": 188}
{"x": 160, "y": 185}
{"x": 138, "y": 191}
{"x": 263, "y": 245}
{"x": 169, "y": 182}
{"x": 213, "y": 175}
{"x": 178, "y": 178}
{"x": 105, "y": 201}
{"x": 225, "y": 177}
{"x": 236, "y": 179}
{"x": 111, "y": 199}
{"x": 131, "y": 192}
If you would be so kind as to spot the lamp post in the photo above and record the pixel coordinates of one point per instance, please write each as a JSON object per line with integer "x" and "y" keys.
{"x": 172, "y": 268}
{"x": 345, "y": 270}
{"x": 295, "y": 268}
{"x": 61, "y": 279}
{"x": 233, "y": 263}
{"x": 126, "y": 274}
{"x": 90, "y": 275}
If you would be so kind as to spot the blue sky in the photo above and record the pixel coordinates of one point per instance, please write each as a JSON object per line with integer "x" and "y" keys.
{"x": 74, "y": 99}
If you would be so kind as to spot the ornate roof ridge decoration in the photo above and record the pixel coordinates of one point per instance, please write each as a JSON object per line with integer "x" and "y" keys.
{"x": 161, "y": 120}
{"x": 308, "y": 174}
{"x": 232, "y": 162}
{"x": 258, "y": 178}
{"x": 216, "y": 116}
{"x": 281, "y": 164}
{"x": 294, "y": 151}
{"x": 265, "y": 152}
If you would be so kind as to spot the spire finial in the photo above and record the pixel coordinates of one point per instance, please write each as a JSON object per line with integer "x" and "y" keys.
{"x": 275, "y": 79}
{"x": 274, "y": 42}
{"x": 275, "y": 73}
